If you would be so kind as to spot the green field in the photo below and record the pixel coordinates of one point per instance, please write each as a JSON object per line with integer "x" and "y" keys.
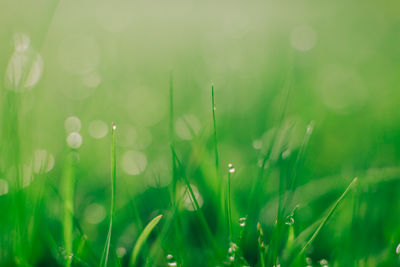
{"x": 199, "y": 133}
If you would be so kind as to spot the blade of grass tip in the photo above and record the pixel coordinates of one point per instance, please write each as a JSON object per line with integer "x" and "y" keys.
{"x": 104, "y": 257}
{"x": 297, "y": 164}
{"x": 231, "y": 170}
{"x": 142, "y": 238}
{"x": 215, "y": 136}
{"x": 326, "y": 218}
{"x": 220, "y": 193}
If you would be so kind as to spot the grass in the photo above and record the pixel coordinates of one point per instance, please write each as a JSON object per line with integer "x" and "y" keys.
{"x": 269, "y": 255}
{"x": 105, "y": 255}
{"x": 285, "y": 199}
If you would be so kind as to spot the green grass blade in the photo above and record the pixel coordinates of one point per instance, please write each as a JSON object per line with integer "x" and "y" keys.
{"x": 326, "y": 218}
{"x": 215, "y": 136}
{"x": 104, "y": 257}
{"x": 229, "y": 207}
{"x": 142, "y": 239}
{"x": 68, "y": 223}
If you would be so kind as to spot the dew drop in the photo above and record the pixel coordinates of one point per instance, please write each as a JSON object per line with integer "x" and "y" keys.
{"x": 398, "y": 249}
{"x": 242, "y": 221}
{"x": 232, "y": 251}
{"x": 170, "y": 260}
{"x": 231, "y": 169}
{"x": 289, "y": 220}
{"x": 323, "y": 263}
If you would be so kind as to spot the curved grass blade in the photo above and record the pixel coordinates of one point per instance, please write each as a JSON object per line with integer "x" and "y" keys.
{"x": 142, "y": 238}
{"x": 104, "y": 257}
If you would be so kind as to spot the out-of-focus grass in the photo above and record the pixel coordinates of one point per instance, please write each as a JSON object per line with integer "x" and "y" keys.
{"x": 67, "y": 69}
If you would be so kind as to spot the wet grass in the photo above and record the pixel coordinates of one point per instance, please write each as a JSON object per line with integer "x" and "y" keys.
{"x": 223, "y": 202}
{"x": 221, "y": 246}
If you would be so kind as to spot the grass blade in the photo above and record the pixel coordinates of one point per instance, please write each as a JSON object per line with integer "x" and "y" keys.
{"x": 142, "y": 238}
{"x": 104, "y": 257}
{"x": 215, "y": 137}
{"x": 326, "y": 218}
{"x": 230, "y": 170}
{"x": 68, "y": 219}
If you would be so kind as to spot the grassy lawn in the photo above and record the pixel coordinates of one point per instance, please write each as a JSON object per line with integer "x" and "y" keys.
{"x": 199, "y": 133}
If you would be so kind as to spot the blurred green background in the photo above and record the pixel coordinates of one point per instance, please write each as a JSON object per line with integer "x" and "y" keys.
{"x": 70, "y": 68}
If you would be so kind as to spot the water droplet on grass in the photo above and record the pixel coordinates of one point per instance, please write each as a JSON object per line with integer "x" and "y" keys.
{"x": 323, "y": 263}
{"x": 231, "y": 169}
{"x": 170, "y": 260}
{"x": 289, "y": 220}
{"x": 242, "y": 221}
{"x": 232, "y": 251}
